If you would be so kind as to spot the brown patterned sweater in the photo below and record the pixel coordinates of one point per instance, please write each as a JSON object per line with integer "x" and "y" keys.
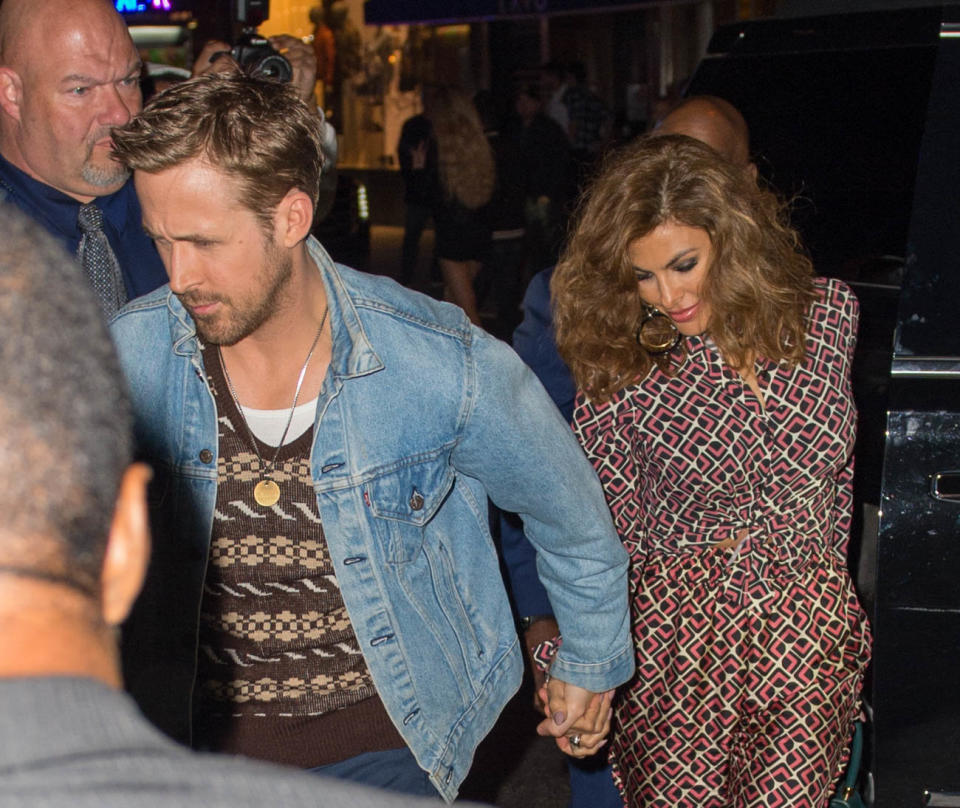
{"x": 280, "y": 674}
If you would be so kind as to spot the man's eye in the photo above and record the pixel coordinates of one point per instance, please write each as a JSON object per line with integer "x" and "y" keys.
{"x": 130, "y": 81}
{"x": 79, "y": 90}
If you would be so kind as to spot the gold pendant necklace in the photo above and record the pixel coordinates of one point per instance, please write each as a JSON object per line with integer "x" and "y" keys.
{"x": 267, "y": 491}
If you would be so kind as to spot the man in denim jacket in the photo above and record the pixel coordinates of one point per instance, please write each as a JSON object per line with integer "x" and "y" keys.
{"x": 361, "y": 630}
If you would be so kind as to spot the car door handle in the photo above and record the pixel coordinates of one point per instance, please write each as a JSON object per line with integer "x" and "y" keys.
{"x": 945, "y": 486}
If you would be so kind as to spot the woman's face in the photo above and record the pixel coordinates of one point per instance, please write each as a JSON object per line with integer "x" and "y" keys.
{"x": 671, "y": 263}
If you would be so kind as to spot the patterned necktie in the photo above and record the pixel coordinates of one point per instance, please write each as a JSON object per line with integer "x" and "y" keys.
{"x": 98, "y": 261}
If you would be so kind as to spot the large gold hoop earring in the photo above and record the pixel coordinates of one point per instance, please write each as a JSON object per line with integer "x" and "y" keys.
{"x": 657, "y": 334}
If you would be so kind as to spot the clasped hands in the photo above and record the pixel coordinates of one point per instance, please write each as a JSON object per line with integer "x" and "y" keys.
{"x": 573, "y": 713}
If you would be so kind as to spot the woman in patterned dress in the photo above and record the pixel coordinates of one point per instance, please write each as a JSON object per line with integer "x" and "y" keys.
{"x": 716, "y": 407}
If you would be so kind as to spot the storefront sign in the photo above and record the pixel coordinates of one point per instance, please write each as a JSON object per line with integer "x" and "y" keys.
{"x": 139, "y": 6}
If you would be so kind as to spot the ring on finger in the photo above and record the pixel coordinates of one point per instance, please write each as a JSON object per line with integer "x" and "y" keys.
{"x": 575, "y": 741}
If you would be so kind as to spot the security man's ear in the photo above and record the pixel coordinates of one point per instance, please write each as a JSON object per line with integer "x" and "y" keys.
{"x": 293, "y": 218}
{"x": 11, "y": 91}
{"x": 128, "y": 547}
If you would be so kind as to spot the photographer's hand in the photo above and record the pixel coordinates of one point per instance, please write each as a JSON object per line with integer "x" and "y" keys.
{"x": 303, "y": 61}
{"x": 214, "y": 58}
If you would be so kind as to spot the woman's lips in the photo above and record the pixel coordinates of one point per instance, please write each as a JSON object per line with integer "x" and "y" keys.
{"x": 684, "y": 315}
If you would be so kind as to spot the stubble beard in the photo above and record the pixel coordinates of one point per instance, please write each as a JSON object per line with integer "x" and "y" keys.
{"x": 240, "y": 321}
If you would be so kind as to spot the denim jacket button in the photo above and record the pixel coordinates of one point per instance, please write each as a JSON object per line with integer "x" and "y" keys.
{"x": 416, "y": 500}
{"x": 206, "y": 455}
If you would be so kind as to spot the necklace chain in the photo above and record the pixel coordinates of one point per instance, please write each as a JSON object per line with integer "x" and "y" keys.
{"x": 296, "y": 396}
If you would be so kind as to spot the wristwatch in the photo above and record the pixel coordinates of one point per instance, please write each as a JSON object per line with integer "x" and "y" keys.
{"x": 524, "y": 623}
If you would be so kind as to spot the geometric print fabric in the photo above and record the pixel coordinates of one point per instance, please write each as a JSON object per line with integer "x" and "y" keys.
{"x": 275, "y": 635}
{"x": 277, "y": 551}
{"x": 749, "y": 657}
{"x": 732, "y": 706}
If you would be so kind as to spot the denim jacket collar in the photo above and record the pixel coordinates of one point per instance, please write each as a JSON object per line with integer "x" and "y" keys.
{"x": 353, "y": 354}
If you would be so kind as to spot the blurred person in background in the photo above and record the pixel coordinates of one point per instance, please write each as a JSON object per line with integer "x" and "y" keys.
{"x": 547, "y": 179}
{"x": 502, "y": 277}
{"x": 590, "y": 121}
{"x": 554, "y": 84}
{"x": 417, "y": 153}
{"x": 461, "y": 216}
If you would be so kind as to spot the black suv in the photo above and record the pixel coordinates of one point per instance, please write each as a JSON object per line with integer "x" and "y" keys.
{"x": 857, "y": 118}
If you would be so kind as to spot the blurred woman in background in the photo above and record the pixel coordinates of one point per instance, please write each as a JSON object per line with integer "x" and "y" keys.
{"x": 467, "y": 179}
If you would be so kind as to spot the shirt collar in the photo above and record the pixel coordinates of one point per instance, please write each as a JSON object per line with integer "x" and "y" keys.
{"x": 56, "y": 210}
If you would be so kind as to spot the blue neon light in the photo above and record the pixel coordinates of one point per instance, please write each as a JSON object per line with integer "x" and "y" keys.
{"x": 135, "y": 6}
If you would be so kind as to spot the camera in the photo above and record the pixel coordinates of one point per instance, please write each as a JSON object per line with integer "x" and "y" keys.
{"x": 255, "y": 55}
{"x": 258, "y": 58}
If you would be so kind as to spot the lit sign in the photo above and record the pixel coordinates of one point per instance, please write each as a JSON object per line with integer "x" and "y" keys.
{"x": 135, "y": 6}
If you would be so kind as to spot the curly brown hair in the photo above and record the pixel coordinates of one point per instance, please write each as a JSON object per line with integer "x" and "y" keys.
{"x": 467, "y": 168}
{"x": 760, "y": 284}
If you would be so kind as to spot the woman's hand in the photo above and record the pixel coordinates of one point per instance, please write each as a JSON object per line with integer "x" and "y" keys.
{"x": 576, "y": 714}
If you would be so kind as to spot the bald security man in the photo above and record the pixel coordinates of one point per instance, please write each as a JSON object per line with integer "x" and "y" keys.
{"x": 713, "y": 121}
{"x": 69, "y": 74}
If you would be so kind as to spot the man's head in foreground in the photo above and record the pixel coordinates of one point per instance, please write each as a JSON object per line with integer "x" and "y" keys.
{"x": 73, "y": 540}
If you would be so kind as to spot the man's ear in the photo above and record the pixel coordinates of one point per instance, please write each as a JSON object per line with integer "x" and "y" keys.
{"x": 128, "y": 547}
{"x": 293, "y": 218}
{"x": 11, "y": 91}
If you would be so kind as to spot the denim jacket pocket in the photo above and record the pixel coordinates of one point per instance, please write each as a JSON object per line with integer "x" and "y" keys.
{"x": 406, "y": 500}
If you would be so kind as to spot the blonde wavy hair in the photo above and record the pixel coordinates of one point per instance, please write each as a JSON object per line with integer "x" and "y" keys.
{"x": 467, "y": 168}
{"x": 759, "y": 285}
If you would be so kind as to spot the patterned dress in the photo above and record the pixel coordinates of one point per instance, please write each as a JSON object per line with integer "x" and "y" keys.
{"x": 749, "y": 657}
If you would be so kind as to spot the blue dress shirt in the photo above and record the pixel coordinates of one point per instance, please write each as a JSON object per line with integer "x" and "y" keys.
{"x": 139, "y": 262}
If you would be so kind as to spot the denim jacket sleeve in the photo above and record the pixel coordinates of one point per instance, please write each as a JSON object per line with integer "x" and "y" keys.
{"x": 517, "y": 444}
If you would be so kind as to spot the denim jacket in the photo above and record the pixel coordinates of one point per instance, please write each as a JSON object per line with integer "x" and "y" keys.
{"x": 421, "y": 417}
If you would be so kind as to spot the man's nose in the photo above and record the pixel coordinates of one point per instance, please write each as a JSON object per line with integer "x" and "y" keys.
{"x": 179, "y": 268}
{"x": 120, "y": 105}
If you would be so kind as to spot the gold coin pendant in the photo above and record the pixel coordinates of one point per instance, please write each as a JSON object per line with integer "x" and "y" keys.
{"x": 266, "y": 493}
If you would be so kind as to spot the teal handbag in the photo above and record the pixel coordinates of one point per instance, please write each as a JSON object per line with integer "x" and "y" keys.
{"x": 847, "y": 795}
